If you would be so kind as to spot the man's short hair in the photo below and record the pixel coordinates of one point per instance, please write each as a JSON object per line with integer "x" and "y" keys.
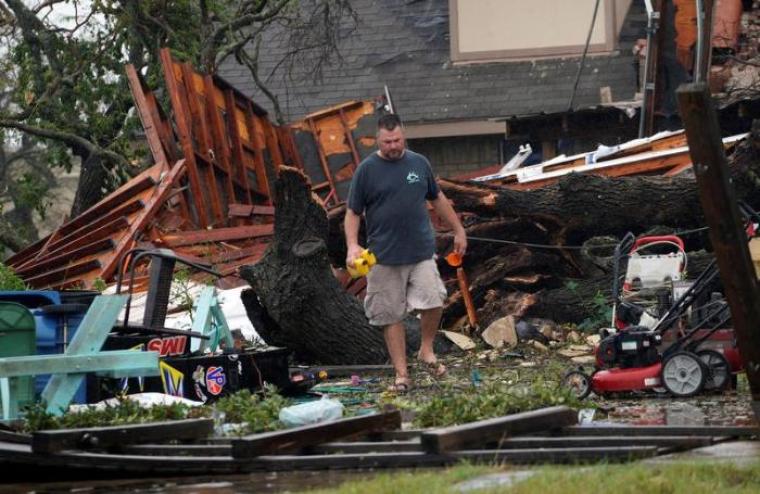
{"x": 388, "y": 122}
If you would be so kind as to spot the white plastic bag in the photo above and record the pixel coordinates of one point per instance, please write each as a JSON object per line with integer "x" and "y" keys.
{"x": 313, "y": 412}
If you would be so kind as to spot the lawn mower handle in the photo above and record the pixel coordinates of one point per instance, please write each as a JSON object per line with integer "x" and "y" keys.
{"x": 642, "y": 241}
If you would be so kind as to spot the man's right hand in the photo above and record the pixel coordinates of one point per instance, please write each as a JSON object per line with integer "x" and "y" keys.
{"x": 354, "y": 252}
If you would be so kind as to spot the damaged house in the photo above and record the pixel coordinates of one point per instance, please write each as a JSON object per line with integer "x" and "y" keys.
{"x": 457, "y": 70}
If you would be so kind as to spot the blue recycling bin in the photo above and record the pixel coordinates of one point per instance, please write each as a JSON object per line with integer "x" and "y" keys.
{"x": 57, "y": 317}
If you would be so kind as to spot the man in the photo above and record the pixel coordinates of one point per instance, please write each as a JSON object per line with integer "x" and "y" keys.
{"x": 391, "y": 188}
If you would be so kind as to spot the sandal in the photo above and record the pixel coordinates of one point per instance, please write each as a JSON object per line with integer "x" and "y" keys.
{"x": 436, "y": 369}
{"x": 400, "y": 386}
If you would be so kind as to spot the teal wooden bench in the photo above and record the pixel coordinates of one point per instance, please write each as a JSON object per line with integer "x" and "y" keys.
{"x": 83, "y": 355}
{"x": 209, "y": 320}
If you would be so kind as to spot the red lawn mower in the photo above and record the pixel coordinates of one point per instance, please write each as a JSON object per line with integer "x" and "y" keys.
{"x": 667, "y": 335}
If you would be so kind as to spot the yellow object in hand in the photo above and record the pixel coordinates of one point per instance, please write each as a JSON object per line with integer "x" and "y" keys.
{"x": 362, "y": 264}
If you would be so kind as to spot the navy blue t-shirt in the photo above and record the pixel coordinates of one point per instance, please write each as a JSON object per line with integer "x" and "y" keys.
{"x": 392, "y": 195}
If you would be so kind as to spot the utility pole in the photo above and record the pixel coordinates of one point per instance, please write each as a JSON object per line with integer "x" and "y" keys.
{"x": 727, "y": 233}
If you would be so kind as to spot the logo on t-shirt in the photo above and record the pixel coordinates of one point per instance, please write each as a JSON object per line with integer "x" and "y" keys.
{"x": 412, "y": 178}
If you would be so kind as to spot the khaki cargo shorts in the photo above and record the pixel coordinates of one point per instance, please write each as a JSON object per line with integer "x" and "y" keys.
{"x": 395, "y": 291}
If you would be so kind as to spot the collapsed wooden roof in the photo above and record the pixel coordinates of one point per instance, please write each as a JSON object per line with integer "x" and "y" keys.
{"x": 207, "y": 196}
{"x": 665, "y": 153}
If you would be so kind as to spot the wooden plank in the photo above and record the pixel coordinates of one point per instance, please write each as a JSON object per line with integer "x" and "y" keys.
{"x": 217, "y": 235}
{"x": 311, "y": 435}
{"x": 138, "y": 224}
{"x": 349, "y": 138}
{"x": 184, "y": 133}
{"x": 484, "y": 431}
{"x": 258, "y": 157}
{"x": 322, "y": 157}
{"x": 53, "y": 237}
{"x": 358, "y": 447}
{"x": 60, "y": 363}
{"x": 63, "y": 273}
{"x": 405, "y": 435}
{"x": 52, "y": 262}
{"x": 221, "y": 139}
{"x": 115, "y": 200}
{"x": 727, "y": 235}
{"x": 15, "y": 437}
{"x": 239, "y": 210}
{"x": 178, "y": 449}
{"x": 273, "y": 144}
{"x": 106, "y": 437}
{"x": 89, "y": 338}
{"x": 146, "y": 117}
{"x": 65, "y": 244}
{"x": 198, "y": 123}
{"x": 661, "y": 430}
{"x": 236, "y": 162}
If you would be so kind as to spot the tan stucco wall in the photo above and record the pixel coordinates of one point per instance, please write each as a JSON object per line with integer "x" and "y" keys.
{"x": 488, "y": 25}
{"x": 524, "y": 28}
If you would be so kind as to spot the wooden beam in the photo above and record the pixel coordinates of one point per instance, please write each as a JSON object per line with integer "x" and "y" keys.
{"x": 476, "y": 434}
{"x": 259, "y": 144}
{"x": 52, "y": 262}
{"x": 322, "y": 156}
{"x": 106, "y": 437}
{"x": 146, "y": 118}
{"x": 349, "y": 139}
{"x": 178, "y": 449}
{"x": 115, "y": 200}
{"x": 236, "y": 163}
{"x": 102, "y": 223}
{"x": 155, "y": 203}
{"x": 358, "y": 447}
{"x": 311, "y": 435}
{"x": 87, "y": 238}
{"x": 221, "y": 157}
{"x": 184, "y": 132}
{"x": 727, "y": 235}
{"x": 217, "y": 235}
{"x": 63, "y": 273}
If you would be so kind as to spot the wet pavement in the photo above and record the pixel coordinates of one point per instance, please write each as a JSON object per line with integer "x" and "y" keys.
{"x": 258, "y": 483}
{"x": 721, "y": 409}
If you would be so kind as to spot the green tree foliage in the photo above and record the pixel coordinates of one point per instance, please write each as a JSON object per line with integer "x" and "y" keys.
{"x": 62, "y": 79}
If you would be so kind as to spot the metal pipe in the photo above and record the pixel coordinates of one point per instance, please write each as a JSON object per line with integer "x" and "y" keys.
{"x": 700, "y": 40}
{"x": 651, "y": 16}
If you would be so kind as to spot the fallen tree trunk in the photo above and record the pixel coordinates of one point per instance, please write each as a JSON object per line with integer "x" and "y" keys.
{"x": 294, "y": 283}
{"x": 296, "y": 301}
{"x": 579, "y": 207}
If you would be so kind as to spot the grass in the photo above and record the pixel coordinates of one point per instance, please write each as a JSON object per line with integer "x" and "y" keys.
{"x": 672, "y": 478}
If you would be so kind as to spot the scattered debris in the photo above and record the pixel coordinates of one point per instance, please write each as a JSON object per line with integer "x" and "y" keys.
{"x": 501, "y": 332}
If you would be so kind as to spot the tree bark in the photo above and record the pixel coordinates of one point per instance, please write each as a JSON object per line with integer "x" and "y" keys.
{"x": 294, "y": 282}
{"x": 92, "y": 182}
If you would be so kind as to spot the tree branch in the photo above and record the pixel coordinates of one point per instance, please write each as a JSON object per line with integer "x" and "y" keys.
{"x": 67, "y": 138}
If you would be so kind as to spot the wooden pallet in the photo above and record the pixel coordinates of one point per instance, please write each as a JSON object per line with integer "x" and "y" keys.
{"x": 374, "y": 441}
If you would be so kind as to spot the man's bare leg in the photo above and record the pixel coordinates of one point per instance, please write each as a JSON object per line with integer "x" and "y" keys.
{"x": 429, "y": 322}
{"x": 395, "y": 340}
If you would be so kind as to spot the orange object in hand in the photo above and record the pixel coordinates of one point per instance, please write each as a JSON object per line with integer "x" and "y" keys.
{"x": 454, "y": 259}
